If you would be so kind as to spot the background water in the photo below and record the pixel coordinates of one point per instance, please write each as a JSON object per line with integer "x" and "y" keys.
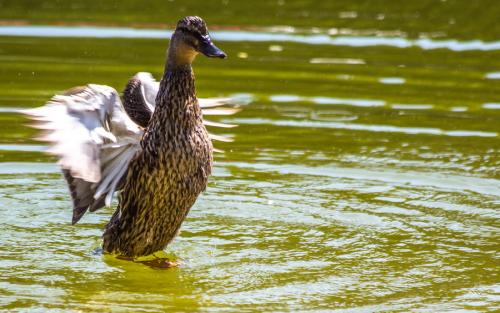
{"x": 364, "y": 176}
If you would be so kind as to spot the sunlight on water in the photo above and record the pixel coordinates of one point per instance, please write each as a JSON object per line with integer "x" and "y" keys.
{"x": 328, "y": 100}
{"x": 222, "y": 35}
{"x": 493, "y": 75}
{"x": 412, "y": 106}
{"x": 492, "y": 106}
{"x": 392, "y": 80}
{"x": 361, "y": 127}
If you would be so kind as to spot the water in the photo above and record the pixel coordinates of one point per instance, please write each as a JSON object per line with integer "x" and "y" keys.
{"x": 255, "y": 36}
{"x": 363, "y": 178}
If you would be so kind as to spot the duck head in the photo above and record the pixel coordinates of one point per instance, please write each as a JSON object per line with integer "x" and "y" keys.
{"x": 189, "y": 39}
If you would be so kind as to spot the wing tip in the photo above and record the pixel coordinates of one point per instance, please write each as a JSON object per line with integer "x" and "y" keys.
{"x": 78, "y": 213}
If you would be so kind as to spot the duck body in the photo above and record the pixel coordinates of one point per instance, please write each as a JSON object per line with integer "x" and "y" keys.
{"x": 164, "y": 181}
{"x": 153, "y": 147}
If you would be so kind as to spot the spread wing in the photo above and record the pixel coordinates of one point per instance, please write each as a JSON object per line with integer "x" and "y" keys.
{"x": 139, "y": 103}
{"x": 94, "y": 139}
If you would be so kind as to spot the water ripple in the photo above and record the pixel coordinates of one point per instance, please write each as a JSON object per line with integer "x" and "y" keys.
{"x": 227, "y": 35}
{"x": 328, "y": 100}
{"x": 441, "y": 181}
{"x": 365, "y": 127}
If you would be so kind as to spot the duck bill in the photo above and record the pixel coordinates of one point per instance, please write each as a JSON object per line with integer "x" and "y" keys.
{"x": 209, "y": 49}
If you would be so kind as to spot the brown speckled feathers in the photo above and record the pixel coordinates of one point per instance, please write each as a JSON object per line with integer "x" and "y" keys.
{"x": 153, "y": 147}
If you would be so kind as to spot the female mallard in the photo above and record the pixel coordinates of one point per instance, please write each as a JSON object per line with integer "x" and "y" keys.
{"x": 154, "y": 148}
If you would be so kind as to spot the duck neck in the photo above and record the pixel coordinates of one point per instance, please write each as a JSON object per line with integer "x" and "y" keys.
{"x": 177, "y": 108}
{"x": 177, "y": 90}
{"x": 177, "y": 83}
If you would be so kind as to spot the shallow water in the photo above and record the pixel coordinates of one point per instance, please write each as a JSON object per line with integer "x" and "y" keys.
{"x": 363, "y": 178}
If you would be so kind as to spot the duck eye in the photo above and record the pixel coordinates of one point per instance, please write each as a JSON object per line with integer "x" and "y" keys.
{"x": 191, "y": 41}
{"x": 194, "y": 43}
{"x": 191, "y": 38}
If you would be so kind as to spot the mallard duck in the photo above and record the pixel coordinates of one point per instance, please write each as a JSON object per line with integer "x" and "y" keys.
{"x": 154, "y": 148}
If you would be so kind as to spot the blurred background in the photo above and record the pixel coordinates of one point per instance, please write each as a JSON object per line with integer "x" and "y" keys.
{"x": 364, "y": 175}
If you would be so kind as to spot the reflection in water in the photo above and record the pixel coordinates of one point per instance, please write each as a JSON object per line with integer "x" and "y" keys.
{"x": 392, "y": 80}
{"x": 363, "y": 127}
{"x": 327, "y": 228}
{"x": 493, "y": 75}
{"x": 336, "y": 61}
{"x": 494, "y": 106}
{"x": 328, "y": 100}
{"x": 226, "y": 35}
{"x": 412, "y": 106}
{"x": 394, "y": 179}
{"x": 10, "y": 110}
{"x": 459, "y": 109}
{"x": 17, "y": 147}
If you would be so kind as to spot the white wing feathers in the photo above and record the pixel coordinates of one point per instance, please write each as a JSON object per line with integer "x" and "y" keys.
{"x": 94, "y": 139}
{"x": 95, "y": 136}
{"x": 147, "y": 94}
{"x": 150, "y": 87}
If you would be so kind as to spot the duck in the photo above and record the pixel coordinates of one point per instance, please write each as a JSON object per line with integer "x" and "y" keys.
{"x": 153, "y": 148}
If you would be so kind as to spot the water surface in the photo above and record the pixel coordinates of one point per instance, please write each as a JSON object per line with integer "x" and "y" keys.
{"x": 363, "y": 178}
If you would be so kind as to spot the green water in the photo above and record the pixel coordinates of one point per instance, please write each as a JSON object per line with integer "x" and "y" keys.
{"x": 361, "y": 179}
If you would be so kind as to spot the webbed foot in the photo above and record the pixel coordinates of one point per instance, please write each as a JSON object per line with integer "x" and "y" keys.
{"x": 160, "y": 263}
{"x": 153, "y": 261}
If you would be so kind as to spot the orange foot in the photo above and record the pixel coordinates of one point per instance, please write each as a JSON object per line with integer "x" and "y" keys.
{"x": 152, "y": 261}
{"x": 161, "y": 263}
